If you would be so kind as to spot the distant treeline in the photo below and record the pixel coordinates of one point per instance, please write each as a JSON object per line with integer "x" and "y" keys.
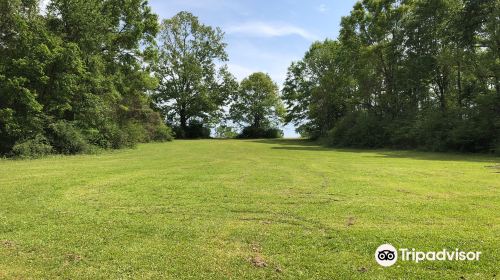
{"x": 406, "y": 74}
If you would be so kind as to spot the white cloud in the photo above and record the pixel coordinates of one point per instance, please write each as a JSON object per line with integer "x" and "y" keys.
{"x": 264, "y": 29}
{"x": 322, "y": 8}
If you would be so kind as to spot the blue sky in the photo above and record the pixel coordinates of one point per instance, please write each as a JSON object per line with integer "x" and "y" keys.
{"x": 264, "y": 35}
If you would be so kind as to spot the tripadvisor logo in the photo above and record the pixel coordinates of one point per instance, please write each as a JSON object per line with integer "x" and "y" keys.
{"x": 387, "y": 255}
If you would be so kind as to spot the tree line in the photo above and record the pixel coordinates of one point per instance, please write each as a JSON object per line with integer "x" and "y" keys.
{"x": 405, "y": 74}
{"x": 75, "y": 78}
{"x": 86, "y": 75}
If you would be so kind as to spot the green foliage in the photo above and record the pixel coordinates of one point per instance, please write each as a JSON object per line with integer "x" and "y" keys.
{"x": 78, "y": 74}
{"x": 163, "y": 133}
{"x": 315, "y": 88}
{"x": 257, "y": 105}
{"x": 125, "y": 136}
{"x": 191, "y": 86}
{"x": 251, "y": 132}
{"x": 226, "y": 132}
{"x": 407, "y": 74}
{"x": 359, "y": 129}
{"x": 32, "y": 148}
{"x": 194, "y": 130}
{"x": 66, "y": 138}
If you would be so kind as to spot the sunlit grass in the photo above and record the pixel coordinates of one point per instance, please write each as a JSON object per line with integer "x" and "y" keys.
{"x": 219, "y": 209}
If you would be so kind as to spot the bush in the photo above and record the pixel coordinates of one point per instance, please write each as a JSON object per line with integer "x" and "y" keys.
{"x": 251, "y": 132}
{"x": 126, "y": 136}
{"x": 155, "y": 128}
{"x": 308, "y": 130}
{"x": 98, "y": 138}
{"x": 401, "y": 134}
{"x": 195, "y": 130}
{"x": 225, "y": 131}
{"x": 135, "y": 133}
{"x": 67, "y": 139}
{"x": 163, "y": 133}
{"x": 359, "y": 129}
{"x": 32, "y": 148}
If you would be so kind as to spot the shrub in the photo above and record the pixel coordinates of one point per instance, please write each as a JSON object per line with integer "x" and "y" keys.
{"x": 32, "y": 148}
{"x": 116, "y": 137}
{"x": 126, "y": 136}
{"x": 309, "y": 130}
{"x": 358, "y": 129}
{"x": 195, "y": 130}
{"x": 251, "y": 132}
{"x": 163, "y": 133}
{"x": 155, "y": 128}
{"x": 273, "y": 133}
{"x": 66, "y": 138}
{"x": 98, "y": 138}
{"x": 401, "y": 134}
{"x": 135, "y": 133}
{"x": 225, "y": 131}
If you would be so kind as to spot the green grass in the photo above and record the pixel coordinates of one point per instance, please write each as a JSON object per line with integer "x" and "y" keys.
{"x": 217, "y": 209}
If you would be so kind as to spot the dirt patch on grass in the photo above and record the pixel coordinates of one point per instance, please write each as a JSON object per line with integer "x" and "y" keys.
{"x": 362, "y": 269}
{"x": 414, "y": 193}
{"x": 350, "y": 221}
{"x": 8, "y": 244}
{"x": 258, "y": 261}
{"x": 72, "y": 258}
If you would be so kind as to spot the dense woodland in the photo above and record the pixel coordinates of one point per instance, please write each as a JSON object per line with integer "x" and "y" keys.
{"x": 86, "y": 75}
{"x": 404, "y": 74}
{"x": 76, "y": 78}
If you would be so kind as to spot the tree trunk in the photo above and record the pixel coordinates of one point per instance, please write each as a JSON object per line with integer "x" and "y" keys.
{"x": 256, "y": 121}
{"x": 442, "y": 99}
{"x": 182, "y": 114}
{"x": 442, "y": 83}
{"x": 459, "y": 86}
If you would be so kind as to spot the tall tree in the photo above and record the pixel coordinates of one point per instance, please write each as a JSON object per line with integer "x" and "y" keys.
{"x": 321, "y": 81}
{"x": 257, "y": 103}
{"x": 404, "y": 73}
{"x": 192, "y": 86}
{"x": 78, "y": 73}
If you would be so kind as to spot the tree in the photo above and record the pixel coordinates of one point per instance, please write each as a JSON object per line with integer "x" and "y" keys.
{"x": 320, "y": 81}
{"x": 24, "y": 59}
{"x": 78, "y": 75}
{"x": 257, "y": 103}
{"x": 403, "y": 73}
{"x": 192, "y": 87}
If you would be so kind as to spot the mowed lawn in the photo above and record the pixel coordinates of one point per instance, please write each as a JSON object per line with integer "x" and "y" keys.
{"x": 229, "y": 209}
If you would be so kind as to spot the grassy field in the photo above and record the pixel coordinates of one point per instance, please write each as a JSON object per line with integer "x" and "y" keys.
{"x": 228, "y": 209}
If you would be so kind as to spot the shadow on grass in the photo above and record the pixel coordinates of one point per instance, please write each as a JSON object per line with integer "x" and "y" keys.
{"x": 314, "y": 146}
